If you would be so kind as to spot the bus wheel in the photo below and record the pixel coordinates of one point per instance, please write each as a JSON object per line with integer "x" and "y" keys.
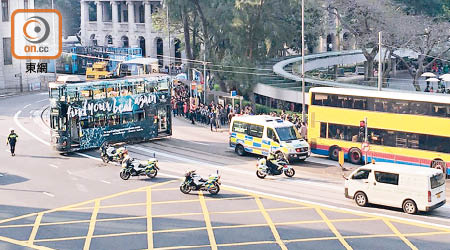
{"x": 334, "y": 153}
{"x": 439, "y": 164}
{"x": 354, "y": 155}
{"x": 240, "y": 150}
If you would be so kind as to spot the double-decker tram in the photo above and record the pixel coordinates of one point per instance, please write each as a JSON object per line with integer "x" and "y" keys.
{"x": 408, "y": 128}
{"x": 86, "y": 115}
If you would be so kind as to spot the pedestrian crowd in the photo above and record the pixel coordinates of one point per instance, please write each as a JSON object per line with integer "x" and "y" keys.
{"x": 218, "y": 116}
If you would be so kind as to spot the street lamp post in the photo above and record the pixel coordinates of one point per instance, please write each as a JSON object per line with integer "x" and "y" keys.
{"x": 53, "y": 28}
{"x": 168, "y": 34}
{"x": 303, "y": 63}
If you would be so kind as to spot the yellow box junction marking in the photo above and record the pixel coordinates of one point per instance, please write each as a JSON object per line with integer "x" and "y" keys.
{"x": 400, "y": 235}
{"x": 35, "y": 228}
{"x": 87, "y": 242}
{"x": 333, "y": 229}
{"x": 208, "y": 226}
{"x": 212, "y": 239}
{"x": 270, "y": 222}
{"x": 149, "y": 219}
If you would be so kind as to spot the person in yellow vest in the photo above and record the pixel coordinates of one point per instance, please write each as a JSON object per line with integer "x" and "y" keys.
{"x": 12, "y": 140}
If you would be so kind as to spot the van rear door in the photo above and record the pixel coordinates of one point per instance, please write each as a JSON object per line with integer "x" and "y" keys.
{"x": 437, "y": 182}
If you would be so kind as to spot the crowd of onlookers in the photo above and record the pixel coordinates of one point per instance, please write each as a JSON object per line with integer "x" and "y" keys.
{"x": 218, "y": 116}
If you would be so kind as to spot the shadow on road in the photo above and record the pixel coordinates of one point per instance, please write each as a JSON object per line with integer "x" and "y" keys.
{"x": 8, "y": 179}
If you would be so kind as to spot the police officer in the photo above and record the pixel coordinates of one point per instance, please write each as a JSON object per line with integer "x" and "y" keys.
{"x": 12, "y": 139}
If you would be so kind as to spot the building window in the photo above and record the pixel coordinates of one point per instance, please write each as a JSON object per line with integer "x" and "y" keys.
{"x": 25, "y": 4}
{"x": 7, "y": 57}
{"x": 92, "y": 12}
{"x": 5, "y": 11}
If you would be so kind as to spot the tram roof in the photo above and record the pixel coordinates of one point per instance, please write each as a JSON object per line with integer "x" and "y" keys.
{"x": 395, "y": 95}
{"x": 153, "y": 76}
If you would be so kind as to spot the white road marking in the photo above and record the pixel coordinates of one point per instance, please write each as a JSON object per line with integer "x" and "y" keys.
{"x": 107, "y": 182}
{"x": 26, "y": 106}
{"x": 16, "y": 120}
{"x": 48, "y": 194}
{"x": 68, "y": 171}
{"x": 201, "y": 143}
{"x": 54, "y": 166}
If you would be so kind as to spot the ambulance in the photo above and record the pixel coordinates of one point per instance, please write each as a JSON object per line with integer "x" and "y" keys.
{"x": 261, "y": 134}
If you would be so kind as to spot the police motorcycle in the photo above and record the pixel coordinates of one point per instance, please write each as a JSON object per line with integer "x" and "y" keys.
{"x": 109, "y": 153}
{"x": 194, "y": 182}
{"x": 273, "y": 165}
{"x": 134, "y": 167}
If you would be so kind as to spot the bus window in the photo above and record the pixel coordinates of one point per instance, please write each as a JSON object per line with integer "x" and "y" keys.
{"x": 323, "y": 130}
{"x": 440, "y": 110}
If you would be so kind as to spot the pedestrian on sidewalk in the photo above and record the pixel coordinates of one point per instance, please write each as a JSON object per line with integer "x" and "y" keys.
{"x": 12, "y": 140}
{"x": 304, "y": 131}
{"x": 212, "y": 120}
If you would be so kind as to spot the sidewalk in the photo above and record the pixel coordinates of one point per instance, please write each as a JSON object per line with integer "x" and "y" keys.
{"x": 222, "y": 129}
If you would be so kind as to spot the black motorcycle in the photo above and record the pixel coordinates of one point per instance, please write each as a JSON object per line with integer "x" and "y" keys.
{"x": 211, "y": 184}
{"x": 109, "y": 153}
{"x": 133, "y": 167}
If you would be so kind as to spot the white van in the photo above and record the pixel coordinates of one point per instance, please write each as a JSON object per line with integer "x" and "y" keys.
{"x": 396, "y": 185}
{"x": 261, "y": 134}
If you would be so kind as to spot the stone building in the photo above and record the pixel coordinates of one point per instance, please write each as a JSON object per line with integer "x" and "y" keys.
{"x": 10, "y": 68}
{"x": 119, "y": 23}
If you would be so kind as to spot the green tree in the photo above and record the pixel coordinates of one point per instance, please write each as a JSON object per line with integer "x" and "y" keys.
{"x": 70, "y": 11}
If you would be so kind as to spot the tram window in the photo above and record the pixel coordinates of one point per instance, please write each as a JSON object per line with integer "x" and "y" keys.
{"x": 140, "y": 87}
{"x": 54, "y": 122}
{"x": 99, "y": 92}
{"x": 126, "y": 89}
{"x": 127, "y": 118}
{"x": 99, "y": 121}
{"x": 139, "y": 116}
{"x": 63, "y": 123}
{"x": 113, "y": 120}
{"x": 54, "y": 93}
{"x": 112, "y": 90}
{"x": 85, "y": 94}
{"x": 87, "y": 122}
{"x": 163, "y": 84}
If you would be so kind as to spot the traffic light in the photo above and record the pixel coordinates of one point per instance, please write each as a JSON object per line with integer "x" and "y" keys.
{"x": 362, "y": 130}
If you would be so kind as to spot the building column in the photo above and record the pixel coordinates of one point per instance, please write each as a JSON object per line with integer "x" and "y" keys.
{"x": 115, "y": 23}
{"x": 100, "y": 40}
{"x": 84, "y": 22}
{"x": 132, "y": 39}
{"x": 148, "y": 28}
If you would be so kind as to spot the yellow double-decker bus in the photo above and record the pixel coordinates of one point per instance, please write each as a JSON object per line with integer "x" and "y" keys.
{"x": 408, "y": 128}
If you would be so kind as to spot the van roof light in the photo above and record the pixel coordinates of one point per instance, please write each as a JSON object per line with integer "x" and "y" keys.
{"x": 373, "y": 161}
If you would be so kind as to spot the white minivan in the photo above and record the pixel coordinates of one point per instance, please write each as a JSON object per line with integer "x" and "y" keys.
{"x": 396, "y": 185}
